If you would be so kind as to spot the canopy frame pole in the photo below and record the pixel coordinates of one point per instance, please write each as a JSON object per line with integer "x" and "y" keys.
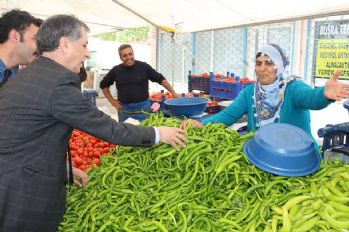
{"x": 136, "y": 13}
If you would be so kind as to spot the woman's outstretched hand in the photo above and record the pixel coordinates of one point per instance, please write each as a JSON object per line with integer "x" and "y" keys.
{"x": 336, "y": 90}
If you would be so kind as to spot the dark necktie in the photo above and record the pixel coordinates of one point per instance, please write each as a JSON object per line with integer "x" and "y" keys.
{"x": 5, "y": 78}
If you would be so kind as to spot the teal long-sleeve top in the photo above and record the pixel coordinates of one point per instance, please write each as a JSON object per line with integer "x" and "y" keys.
{"x": 299, "y": 99}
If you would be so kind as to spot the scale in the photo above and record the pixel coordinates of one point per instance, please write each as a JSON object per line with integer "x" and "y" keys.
{"x": 336, "y": 140}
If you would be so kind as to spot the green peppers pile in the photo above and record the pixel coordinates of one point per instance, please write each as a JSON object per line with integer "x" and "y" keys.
{"x": 207, "y": 186}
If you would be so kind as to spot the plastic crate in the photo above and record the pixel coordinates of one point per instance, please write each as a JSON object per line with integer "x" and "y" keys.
{"x": 224, "y": 90}
{"x": 335, "y": 142}
{"x": 212, "y": 109}
{"x": 91, "y": 95}
{"x": 340, "y": 153}
{"x": 244, "y": 84}
{"x": 199, "y": 83}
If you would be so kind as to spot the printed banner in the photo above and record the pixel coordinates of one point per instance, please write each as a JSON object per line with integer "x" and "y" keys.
{"x": 332, "y": 48}
{"x": 332, "y": 54}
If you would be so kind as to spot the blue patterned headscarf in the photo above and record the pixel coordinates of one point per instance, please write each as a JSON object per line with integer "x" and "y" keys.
{"x": 268, "y": 99}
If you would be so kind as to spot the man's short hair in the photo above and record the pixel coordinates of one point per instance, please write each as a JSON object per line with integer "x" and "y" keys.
{"x": 122, "y": 47}
{"x": 15, "y": 19}
{"x": 56, "y": 27}
{"x": 38, "y": 22}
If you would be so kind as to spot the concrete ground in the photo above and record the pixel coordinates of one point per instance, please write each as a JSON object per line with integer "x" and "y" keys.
{"x": 104, "y": 105}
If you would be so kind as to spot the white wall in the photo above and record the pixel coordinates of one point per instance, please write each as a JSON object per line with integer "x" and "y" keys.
{"x": 107, "y": 52}
{"x": 335, "y": 113}
{"x": 107, "y": 57}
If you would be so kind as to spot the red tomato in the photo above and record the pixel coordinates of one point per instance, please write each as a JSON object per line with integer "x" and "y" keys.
{"x": 96, "y": 161}
{"x": 96, "y": 154}
{"x": 80, "y": 151}
{"x": 86, "y": 149}
{"x": 78, "y": 160}
{"x": 101, "y": 144}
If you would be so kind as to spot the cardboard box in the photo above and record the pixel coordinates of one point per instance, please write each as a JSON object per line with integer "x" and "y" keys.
{"x": 88, "y": 84}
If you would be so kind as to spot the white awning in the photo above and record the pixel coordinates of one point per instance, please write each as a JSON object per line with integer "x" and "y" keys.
{"x": 189, "y": 15}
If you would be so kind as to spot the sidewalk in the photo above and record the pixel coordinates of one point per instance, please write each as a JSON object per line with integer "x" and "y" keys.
{"x": 103, "y": 105}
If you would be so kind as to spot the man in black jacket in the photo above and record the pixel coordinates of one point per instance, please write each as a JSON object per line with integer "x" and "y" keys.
{"x": 131, "y": 78}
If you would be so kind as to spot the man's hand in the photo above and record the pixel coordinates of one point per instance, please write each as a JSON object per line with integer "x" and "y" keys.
{"x": 195, "y": 124}
{"x": 335, "y": 90}
{"x": 176, "y": 95}
{"x": 173, "y": 136}
{"x": 115, "y": 103}
{"x": 169, "y": 88}
{"x": 80, "y": 177}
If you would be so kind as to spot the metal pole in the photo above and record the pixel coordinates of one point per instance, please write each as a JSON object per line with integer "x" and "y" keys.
{"x": 173, "y": 59}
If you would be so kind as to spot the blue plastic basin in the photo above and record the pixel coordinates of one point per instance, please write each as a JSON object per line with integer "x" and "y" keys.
{"x": 282, "y": 149}
{"x": 187, "y": 106}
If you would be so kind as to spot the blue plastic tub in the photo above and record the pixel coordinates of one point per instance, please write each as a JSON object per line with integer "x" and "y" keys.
{"x": 282, "y": 149}
{"x": 186, "y": 106}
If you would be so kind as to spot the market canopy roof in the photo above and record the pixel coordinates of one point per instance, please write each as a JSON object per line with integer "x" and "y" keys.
{"x": 185, "y": 15}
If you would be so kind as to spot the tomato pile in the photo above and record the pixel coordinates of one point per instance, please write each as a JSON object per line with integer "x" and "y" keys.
{"x": 206, "y": 75}
{"x": 86, "y": 150}
{"x": 212, "y": 103}
{"x": 158, "y": 96}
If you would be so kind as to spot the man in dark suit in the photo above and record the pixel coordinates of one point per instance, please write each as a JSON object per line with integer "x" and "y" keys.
{"x": 18, "y": 48}
{"x": 38, "y": 111}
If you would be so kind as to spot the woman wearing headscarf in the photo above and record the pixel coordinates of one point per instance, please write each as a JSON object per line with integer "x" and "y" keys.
{"x": 277, "y": 96}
